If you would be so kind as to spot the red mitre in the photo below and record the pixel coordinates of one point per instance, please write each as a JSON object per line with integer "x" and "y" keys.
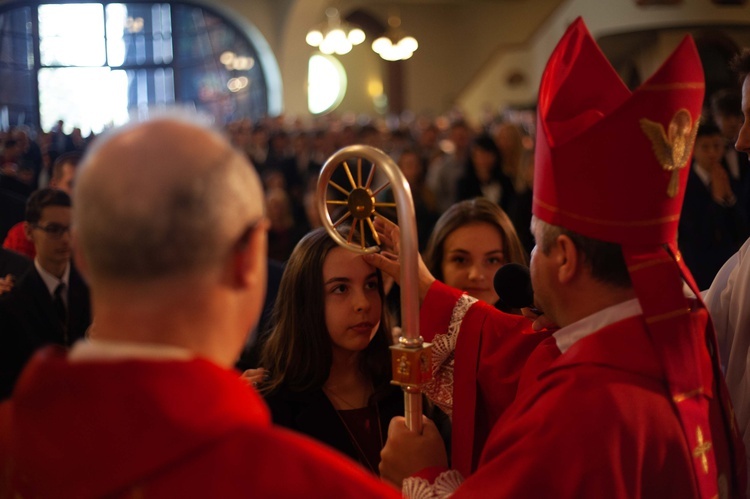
{"x": 611, "y": 164}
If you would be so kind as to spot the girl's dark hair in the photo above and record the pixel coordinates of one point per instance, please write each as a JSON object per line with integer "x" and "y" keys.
{"x": 298, "y": 352}
{"x": 464, "y": 213}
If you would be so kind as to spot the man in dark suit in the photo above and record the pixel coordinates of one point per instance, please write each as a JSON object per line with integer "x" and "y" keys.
{"x": 712, "y": 225}
{"x": 726, "y": 107}
{"x": 50, "y": 302}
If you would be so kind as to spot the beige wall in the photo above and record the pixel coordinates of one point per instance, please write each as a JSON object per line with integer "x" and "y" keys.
{"x": 603, "y": 17}
{"x": 467, "y": 49}
{"x": 456, "y": 40}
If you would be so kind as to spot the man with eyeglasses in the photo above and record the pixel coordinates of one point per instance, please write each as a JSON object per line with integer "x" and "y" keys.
{"x": 50, "y": 302}
{"x": 169, "y": 230}
{"x": 63, "y": 174}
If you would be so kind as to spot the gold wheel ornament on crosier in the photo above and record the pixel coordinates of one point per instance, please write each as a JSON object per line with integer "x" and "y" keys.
{"x": 360, "y": 206}
{"x": 356, "y": 203}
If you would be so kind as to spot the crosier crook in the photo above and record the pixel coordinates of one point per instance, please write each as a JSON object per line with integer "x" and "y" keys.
{"x": 412, "y": 357}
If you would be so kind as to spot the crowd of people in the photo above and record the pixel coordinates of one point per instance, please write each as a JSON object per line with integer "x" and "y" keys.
{"x": 129, "y": 298}
{"x": 444, "y": 159}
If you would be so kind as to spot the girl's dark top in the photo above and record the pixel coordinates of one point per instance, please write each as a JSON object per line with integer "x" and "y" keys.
{"x": 364, "y": 426}
{"x": 311, "y": 413}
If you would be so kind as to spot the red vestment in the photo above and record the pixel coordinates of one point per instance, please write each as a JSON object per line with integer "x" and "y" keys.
{"x": 596, "y": 421}
{"x": 17, "y": 241}
{"x": 476, "y": 372}
{"x": 139, "y": 428}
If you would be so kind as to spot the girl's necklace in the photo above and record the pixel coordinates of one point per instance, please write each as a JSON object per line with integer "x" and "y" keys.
{"x": 364, "y": 459}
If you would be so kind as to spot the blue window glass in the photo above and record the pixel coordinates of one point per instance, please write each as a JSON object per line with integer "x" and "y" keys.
{"x": 94, "y": 65}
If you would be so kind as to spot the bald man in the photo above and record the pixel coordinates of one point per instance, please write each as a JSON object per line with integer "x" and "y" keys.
{"x": 170, "y": 231}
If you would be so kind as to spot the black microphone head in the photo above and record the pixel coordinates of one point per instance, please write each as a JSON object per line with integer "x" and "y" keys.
{"x": 512, "y": 284}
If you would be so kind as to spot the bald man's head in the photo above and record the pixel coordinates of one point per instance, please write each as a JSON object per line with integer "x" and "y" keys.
{"x": 162, "y": 199}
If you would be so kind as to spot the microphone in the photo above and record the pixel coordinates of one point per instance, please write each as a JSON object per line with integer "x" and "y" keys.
{"x": 512, "y": 284}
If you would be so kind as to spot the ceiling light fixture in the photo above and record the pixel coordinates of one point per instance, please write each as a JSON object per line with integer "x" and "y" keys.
{"x": 334, "y": 36}
{"x": 395, "y": 45}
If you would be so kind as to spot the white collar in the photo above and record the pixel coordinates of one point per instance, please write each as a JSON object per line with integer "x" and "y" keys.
{"x": 108, "y": 350}
{"x": 50, "y": 280}
{"x": 566, "y": 337}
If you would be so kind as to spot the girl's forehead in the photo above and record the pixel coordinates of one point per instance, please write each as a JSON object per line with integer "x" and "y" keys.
{"x": 340, "y": 262}
{"x": 473, "y": 233}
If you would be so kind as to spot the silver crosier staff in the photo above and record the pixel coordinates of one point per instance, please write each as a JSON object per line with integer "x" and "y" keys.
{"x": 411, "y": 357}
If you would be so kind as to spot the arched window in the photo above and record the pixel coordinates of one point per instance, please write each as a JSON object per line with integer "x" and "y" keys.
{"x": 326, "y": 83}
{"x": 97, "y": 64}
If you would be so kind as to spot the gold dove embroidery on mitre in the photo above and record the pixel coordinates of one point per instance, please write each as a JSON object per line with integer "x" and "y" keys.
{"x": 673, "y": 147}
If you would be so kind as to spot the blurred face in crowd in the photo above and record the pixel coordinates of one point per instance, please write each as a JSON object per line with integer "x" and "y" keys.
{"x": 51, "y": 238}
{"x": 411, "y": 167}
{"x": 428, "y": 137}
{"x": 460, "y": 137}
{"x": 12, "y": 150}
{"x": 507, "y": 137}
{"x": 729, "y": 124}
{"x": 484, "y": 162}
{"x": 65, "y": 182}
{"x": 708, "y": 150}
{"x": 471, "y": 256}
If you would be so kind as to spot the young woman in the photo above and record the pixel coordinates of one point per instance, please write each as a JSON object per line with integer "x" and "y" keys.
{"x": 327, "y": 360}
{"x": 470, "y": 241}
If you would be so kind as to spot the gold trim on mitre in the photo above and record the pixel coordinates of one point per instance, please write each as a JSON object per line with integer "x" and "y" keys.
{"x": 608, "y": 223}
{"x": 698, "y": 85}
{"x": 673, "y": 147}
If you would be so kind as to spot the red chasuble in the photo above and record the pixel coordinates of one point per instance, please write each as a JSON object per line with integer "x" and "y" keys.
{"x": 157, "y": 429}
{"x": 597, "y": 421}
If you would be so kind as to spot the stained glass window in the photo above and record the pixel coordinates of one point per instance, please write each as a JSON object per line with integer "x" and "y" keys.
{"x": 94, "y": 65}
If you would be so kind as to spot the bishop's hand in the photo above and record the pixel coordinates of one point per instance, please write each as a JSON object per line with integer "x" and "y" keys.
{"x": 388, "y": 259}
{"x": 407, "y": 452}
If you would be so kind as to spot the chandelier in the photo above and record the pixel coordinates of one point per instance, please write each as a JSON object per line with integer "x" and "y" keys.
{"x": 394, "y": 45}
{"x": 334, "y": 36}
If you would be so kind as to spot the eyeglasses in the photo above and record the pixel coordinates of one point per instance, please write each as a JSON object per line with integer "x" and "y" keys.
{"x": 54, "y": 230}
